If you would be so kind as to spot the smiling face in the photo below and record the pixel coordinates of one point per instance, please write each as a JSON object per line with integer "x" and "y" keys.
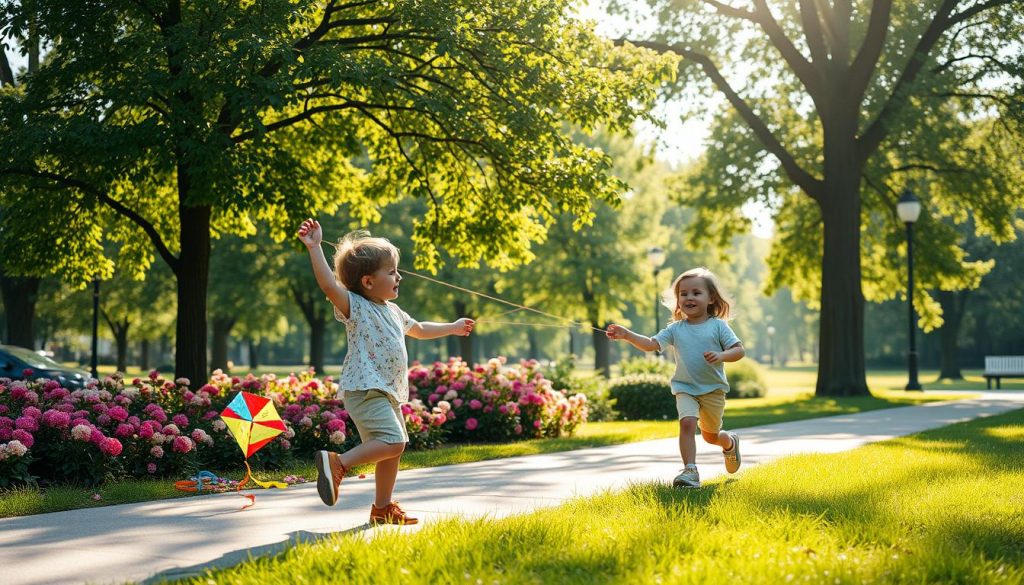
{"x": 382, "y": 284}
{"x": 693, "y": 298}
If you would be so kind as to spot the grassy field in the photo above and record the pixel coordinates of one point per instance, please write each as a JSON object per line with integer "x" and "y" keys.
{"x": 944, "y": 506}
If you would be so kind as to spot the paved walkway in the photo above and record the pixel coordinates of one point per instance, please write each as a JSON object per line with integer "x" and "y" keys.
{"x": 166, "y": 539}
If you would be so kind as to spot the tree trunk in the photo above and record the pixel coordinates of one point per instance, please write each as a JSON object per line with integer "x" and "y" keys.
{"x": 144, "y": 349}
{"x": 317, "y": 329}
{"x": 602, "y": 353}
{"x": 953, "y": 305}
{"x": 465, "y": 342}
{"x": 193, "y": 272}
{"x": 254, "y": 354}
{"x": 20, "y": 295}
{"x": 534, "y": 345}
{"x": 841, "y": 338}
{"x": 119, "y": 329}
{"x": 219, "y": 352}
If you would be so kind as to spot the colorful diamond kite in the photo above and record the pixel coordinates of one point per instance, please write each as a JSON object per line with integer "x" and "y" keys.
{"x": 253, "y": 421}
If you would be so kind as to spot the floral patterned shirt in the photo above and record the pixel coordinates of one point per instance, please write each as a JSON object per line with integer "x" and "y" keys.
{"x": 376, "y": 358}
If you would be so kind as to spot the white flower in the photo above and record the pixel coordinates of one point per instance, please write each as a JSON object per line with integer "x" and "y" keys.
{"x": 218, "y": 425}
{"x": 16, "y": 448}
{"x": 444, "y": 405}
{"x": 158, "y": 439}
{"x": 81, "y": 432}
{"x": 451, "y": 395}
{"x": 337, "y": 437}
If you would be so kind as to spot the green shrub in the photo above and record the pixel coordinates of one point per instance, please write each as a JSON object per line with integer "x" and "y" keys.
{"x": 746, "y": 379}
{"x": 643, "y": 397}
{"x": 565, "y": 377}
{"x": 646, "y": 364}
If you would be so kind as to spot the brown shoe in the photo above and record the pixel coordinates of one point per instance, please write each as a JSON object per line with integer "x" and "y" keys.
{"x": 390, "y": 514}
{"x": 330, "y": 472}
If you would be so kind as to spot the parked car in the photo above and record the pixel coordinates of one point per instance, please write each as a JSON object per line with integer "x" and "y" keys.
{"x": 15, "y": 360}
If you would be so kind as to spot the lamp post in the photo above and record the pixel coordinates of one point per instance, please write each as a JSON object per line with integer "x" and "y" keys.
{"x": 656, "y": 258}
{"x": 771, "y": 345}
{"x": 909, "y": 208}
{"x": 95, "y": 325}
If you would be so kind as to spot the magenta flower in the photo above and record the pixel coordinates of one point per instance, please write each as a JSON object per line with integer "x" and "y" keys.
{"x": 182, "y": 444}
{"x": 111, "y": 447}
{"x": 475, "y": 404}
{"x": 124, "y": 430}
{"x": 27, "y": 423}
{"x": 151, "y": 468}
{"x": 471, "y": 424}
{"x": 180, "y": 419}
{"x": 31, "y": 411}
{"x": 118, "y": 413}
{"x": 24, "y": 436}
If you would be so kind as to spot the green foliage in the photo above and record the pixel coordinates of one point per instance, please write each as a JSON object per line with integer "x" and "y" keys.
{"x": 643, "y": 397}
{"x": 746, "y": 379}
{"x": 646, "y": 365}
{"x": 565, "y": 377}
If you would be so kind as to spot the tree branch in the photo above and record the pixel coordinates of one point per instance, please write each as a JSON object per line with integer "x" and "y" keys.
{"x": 871, "y": 49}
{"x": 876, "y": 131}
{"x": 811, "y": 20}
{"x": 807, "y": 182}
{"x": 805, "y": 72}
{"x": 104, "y": 198}
{"x": 975, "y": 10}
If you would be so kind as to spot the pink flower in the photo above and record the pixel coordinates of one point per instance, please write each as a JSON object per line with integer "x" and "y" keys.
{"x": 157, "y": 452}
{"x": 27, "y": 423}
{"x": 180, "y": 419}
{"x": 475, "y": 404}
{"x": 31, "y": 411}
{"x": 111, "y": 446}
{"x": 536, "y": 424}
{"x": 471, "y": 424}
{"x": 118, "y": 413}
{"x": 182, "y": 444}
{"x": 518, "y": 429}
{"x": 81, "y": 432}
{"x": 153, "y": 375}
{"x": 151, "y": 468}
{"x": 124, "y": 430}
{"x": 24, "y": 436}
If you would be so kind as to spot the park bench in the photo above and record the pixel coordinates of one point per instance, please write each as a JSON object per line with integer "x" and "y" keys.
{"x": 1003, "y": 366}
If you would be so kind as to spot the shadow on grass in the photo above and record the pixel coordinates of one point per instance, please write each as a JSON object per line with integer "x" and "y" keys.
{"x": 239, "y": 556}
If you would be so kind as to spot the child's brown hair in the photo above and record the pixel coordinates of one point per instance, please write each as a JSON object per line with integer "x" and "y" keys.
{"x": 717, "y": 307}
{"x": 358, "y": 254}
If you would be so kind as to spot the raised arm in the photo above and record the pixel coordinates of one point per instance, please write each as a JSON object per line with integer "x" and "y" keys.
{"x": 428, "y": 330}
{"x": 640, "y": 342}
{"x": 311, "y": 235}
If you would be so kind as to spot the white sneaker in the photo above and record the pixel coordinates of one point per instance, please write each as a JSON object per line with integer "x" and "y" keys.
{"x": 687, "y": 478}
{"x": 732, "y": 456}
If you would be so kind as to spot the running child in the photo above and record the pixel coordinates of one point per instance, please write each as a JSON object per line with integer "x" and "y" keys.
{"x": 374, "y": 377}
{"x": 702, "y": 341}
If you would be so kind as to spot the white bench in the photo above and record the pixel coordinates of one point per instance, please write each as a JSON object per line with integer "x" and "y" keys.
{"x": 1003, "y": 366}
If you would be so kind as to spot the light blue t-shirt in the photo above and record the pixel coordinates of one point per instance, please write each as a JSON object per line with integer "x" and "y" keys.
{"x": 694, "y": 375}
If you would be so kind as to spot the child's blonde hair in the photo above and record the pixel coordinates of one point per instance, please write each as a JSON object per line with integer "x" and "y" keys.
{"x": 357, "y": 255}
{"x": 717, "y": 307}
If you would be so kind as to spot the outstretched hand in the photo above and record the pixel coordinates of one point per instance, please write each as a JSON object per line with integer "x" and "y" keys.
{"x": 615, "y": 332}
{"x": 463, "y": 327}
{"x": 310, "y": 233}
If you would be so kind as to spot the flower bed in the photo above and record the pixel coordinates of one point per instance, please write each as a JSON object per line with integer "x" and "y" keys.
{"x": 162, "y": 428}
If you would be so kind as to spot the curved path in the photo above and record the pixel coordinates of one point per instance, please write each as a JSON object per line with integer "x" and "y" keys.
{"x": 166, "y": 539}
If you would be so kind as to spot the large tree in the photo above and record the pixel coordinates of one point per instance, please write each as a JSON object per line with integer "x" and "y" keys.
{"x": 815, "y": 92}
{"x": 190, "y": 118}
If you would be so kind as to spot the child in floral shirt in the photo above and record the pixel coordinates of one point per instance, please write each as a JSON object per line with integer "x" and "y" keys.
{"x": 374, "y": 379}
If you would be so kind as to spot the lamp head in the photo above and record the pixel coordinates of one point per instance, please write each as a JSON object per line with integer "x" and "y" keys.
{"x": 908, "y": 207}
{"x": 656, "y": 257}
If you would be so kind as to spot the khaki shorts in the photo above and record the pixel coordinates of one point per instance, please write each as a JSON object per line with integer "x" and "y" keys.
{"x": 706, "y": 408}
{"x": 377, "y": 416}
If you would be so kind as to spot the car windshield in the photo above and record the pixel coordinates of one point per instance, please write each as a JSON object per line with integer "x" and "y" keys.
{"x": 31, "y": 358}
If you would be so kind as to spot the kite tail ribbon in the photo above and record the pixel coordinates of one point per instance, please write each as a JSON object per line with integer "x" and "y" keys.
{"x": 263, "y": 484}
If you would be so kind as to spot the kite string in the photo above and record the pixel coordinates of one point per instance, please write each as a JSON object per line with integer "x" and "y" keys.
{"x": 518, "y": 307}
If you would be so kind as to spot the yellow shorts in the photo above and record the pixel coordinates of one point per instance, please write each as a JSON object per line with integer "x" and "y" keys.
{"x": 706, "y": 408}
{"x": 377, "y": 416}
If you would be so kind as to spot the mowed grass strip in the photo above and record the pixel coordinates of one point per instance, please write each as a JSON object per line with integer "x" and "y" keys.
{"x": 944, "y": 506}
{"x": 786, "y": 403}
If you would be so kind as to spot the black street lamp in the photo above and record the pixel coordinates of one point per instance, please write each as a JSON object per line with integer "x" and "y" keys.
{"x": 771, "y": 345}
{"x": 656, "y": 258}
{"x": 909, "y": 208}
{"x": 95, "y": 325}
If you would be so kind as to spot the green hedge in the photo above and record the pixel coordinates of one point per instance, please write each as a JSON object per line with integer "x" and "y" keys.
{"x": 649, "y": 396}
{"x": 643, "y": 397}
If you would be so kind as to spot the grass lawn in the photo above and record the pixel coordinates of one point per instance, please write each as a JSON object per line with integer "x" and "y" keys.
{"x": 792, "y": 402}
{"x": 944, "y": 506}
